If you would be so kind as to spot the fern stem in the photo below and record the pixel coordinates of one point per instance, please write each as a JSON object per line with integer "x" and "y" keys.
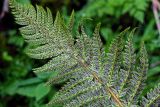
{"x": 95, "y": 76}
{"x": 108, "y": 89}
{"x": 115, "y": 97}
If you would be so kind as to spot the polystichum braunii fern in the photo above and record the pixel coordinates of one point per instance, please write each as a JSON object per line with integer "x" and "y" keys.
{"x": 95, "y": 78}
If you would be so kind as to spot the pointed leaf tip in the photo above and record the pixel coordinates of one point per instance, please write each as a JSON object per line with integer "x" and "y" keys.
{"x": 98, "y": 25}
{"x": 71, "y": 21}
{"x": 124, "y": 32}
{"x": 58, "y": 15}
{"x": 72, "y": 12}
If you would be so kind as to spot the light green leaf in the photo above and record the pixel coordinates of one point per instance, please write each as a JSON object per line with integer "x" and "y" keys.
{"x": 139, "y": 15}
{"x": 28, "y": 91}
{"x": 30, "y": 81}
{"x": 6, "y": 56}
{"x": 41, "y": 91}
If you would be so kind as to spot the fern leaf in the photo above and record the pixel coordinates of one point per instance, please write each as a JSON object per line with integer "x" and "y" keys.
{"x": 129, "y": 58}
{"x": 78, "y": 90}
{"x": 23, "y": 13}
{"x": 83, "y": 44}
{"x": 112, "y": 62}
{"x": 34, "y": 21}
{"x": 66, "y": 74}
{"x": 138, "y": 76}
{"x": 84, "y": 101}
{"x": 143, "y": 59}
{"x": 44, "y": 51}
{"x": 40, "y": 30}
{"x": 58, "y": 62}
{"x": 76, "y": 81}
{"x": 96, "y": 52}
{"x": 96, "y": 78}
{"x": 152, "y": 96}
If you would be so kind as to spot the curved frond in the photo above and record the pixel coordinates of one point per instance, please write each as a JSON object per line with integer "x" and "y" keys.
{"x": 95, "y": 78}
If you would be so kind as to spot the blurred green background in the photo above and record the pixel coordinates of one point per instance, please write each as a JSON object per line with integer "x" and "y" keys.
{"x": 20, "y": 87}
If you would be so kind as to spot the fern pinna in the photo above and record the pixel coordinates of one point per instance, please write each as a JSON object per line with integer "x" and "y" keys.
{"x": 95, "y": 78}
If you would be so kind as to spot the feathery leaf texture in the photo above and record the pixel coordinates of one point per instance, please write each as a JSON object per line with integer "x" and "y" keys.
{"x": 152, "y": 96}
{"x": 94, "y": 78}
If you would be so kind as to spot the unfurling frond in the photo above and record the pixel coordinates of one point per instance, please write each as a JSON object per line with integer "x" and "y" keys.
{"x": 94, "y": 78}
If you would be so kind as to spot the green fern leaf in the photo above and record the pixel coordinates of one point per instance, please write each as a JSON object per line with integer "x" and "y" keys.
{"x": 138, "y": 76}
{"x": 129, "y": 58}
{"x": 113, "y": 59}
{"x": 95, "y": 78}
{"x": 152, "y": 96}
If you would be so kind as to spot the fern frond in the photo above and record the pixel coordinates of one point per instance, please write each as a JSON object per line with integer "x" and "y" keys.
{"x": 96, "y": 52}
{"x": 43, "y": 52}
{"x": 83, "y": 101}
{"x": 137, "y": 80}
{"x": 76, "y": 81}
{"x": 113, "y": 59}
{"x": 143, "y": 59}
{"x": 39, "y": 30}
{"x": 129, "y": 58}
{"x": 81, "y": 89}
{"x": 152, "y": 96}
{"x": 23, "y": 13}
{"x": 95, "y": 78}
{"x": 66, "y": 74}
{"x": 59, "y": 62}
{"x": 37, "y": 22}
{"x": 83, "y": 44}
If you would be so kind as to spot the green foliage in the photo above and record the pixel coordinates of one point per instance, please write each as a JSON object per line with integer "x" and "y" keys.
{"x": 17, "y": 83}
{"x": 31, "y": 88}
{"x": 117, "y": 8}
{"x": 96, "y": 78}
